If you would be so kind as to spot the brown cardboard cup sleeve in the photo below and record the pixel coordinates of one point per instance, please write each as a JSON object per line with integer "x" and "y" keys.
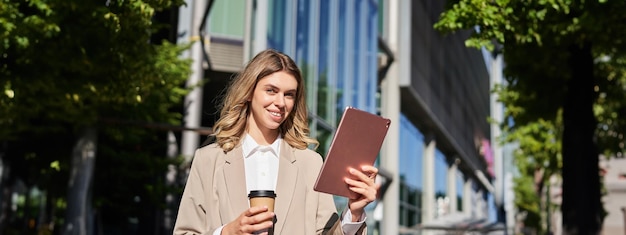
{"x": 262, "y": 197}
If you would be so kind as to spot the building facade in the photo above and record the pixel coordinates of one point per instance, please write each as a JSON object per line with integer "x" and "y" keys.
{"x": 438, "y": 90}
{"x": 381, "y": 56}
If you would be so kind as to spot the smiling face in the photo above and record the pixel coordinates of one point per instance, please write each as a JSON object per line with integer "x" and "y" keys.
{"x": 271, "y": 103}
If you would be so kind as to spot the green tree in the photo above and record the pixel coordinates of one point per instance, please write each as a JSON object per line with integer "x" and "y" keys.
{"x": 70, "y": 72}
{"x": 561, "y": 56}
{"x": 537, "y": 158}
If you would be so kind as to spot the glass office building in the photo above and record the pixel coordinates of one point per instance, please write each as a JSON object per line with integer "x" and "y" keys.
{"x": 337, "y": 46}
{"x": 333, "y": 42}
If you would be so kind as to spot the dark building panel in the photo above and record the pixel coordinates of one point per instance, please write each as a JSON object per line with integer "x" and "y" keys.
{"x": 448, "y": 93}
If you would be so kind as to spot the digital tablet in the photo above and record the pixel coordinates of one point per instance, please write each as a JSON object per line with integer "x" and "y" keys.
{"x": 356, "y": 142}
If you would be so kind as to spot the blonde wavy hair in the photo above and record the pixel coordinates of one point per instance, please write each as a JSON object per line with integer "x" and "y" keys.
{"x": 231, "y": 125}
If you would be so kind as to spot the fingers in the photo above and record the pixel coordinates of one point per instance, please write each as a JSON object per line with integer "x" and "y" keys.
{"x": 252, "y": 220}
{"x": 367, "y": 174}
{"x": 258, "y": 214}
{"x": 255, "y": 210}
{"x": 371, "y": 171}
{"x": 364, "y": 183}
{"x": 367, "y": 192}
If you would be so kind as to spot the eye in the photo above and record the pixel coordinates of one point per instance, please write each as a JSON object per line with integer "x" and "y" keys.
{"x": 290, "y": 94}
{"x": 270, "y": 90}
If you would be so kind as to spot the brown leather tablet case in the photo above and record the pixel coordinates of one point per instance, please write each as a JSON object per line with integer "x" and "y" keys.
{"x": 357, "y": 142}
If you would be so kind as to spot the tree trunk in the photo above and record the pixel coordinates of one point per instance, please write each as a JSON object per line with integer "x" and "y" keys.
{"x": 5, "y": 191}
{"x": 169, "y": 214}
{"x": 78, "y": 215}
{"x": 581, "y": 206}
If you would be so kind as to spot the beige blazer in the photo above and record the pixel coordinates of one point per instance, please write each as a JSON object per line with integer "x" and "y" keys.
{"x": 215, "y": 193}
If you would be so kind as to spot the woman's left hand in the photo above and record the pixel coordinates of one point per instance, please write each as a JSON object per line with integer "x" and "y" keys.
{"x": 364, "y": 184}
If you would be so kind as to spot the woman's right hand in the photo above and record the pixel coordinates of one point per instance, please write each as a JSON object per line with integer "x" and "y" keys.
{"x": 252, "y": 220}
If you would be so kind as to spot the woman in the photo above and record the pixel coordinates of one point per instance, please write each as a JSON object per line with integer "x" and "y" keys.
{"x": 261, "y": 143}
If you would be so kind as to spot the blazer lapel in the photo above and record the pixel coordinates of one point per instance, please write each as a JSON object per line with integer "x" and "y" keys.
{"x": 235, "y": 180}
{"x": 286, "y": 183}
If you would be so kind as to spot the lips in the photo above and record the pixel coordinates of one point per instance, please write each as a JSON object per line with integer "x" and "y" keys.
{"x": 276, "y": 116}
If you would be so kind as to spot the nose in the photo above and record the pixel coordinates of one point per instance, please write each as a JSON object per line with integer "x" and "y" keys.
{"x": 279, "y": 100}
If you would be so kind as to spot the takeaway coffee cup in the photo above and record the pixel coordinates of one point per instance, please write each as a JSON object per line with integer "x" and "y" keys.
{"x": 262, "y": 197}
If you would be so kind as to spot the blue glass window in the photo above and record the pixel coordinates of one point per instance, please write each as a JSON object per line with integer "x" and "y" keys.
{"x": 412, "y": 148}
{"x": 276, "y": 29}
{"x": 441, "y": 173}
